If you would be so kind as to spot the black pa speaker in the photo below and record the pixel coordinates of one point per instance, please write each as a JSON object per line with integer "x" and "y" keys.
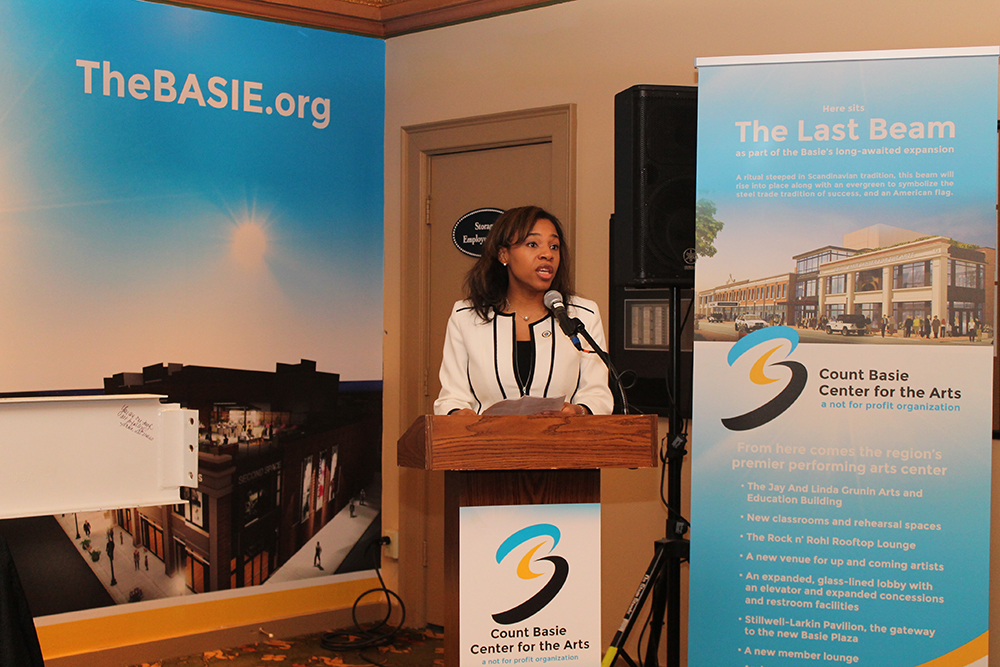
{"x": 655, "y": 161}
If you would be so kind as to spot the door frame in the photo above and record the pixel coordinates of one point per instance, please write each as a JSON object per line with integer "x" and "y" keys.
{"x": 420, "y": 143}
{"x": 556, "y": 124}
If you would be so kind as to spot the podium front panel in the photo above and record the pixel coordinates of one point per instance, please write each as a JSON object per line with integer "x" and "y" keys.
{"x": 498, "y": 488}
{"x": 529, "y": 584}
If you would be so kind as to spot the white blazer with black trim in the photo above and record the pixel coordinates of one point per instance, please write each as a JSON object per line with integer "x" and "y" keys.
{"x": 478, "y": 367}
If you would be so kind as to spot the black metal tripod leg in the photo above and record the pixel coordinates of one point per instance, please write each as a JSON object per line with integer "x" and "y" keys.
{"x": 653, "y": 573}
{"x": 666, "y": 603}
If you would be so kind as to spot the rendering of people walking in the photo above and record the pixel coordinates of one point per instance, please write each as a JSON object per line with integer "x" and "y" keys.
{"x": 135, "y": 557}
{"x": 86, "y": 528}
{"x": 936, "y": 326}
{"x": 316, "y": 559}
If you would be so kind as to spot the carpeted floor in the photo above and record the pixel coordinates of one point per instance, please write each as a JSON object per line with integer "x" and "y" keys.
{"x": 409, "y": 647}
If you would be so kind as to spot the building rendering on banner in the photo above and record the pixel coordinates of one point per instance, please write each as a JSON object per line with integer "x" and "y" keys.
{"x": 878, "y": 271}
{"x": 280, "y": 455}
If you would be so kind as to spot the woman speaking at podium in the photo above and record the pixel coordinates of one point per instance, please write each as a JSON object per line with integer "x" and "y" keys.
{"x": 502, "y": 342}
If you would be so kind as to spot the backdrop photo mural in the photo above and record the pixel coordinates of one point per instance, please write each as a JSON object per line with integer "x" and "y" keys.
{"x": 191, "y": 205}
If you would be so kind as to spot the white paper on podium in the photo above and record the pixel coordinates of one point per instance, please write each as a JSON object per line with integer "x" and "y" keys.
{"x": 526, "y": 405}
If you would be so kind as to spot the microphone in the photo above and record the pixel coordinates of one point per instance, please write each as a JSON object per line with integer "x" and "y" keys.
{"x": 553, "y": 300}
{"x": 572, "y": 326}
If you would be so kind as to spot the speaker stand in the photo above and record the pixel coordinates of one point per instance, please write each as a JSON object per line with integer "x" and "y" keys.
{"x": 663, "y": 576}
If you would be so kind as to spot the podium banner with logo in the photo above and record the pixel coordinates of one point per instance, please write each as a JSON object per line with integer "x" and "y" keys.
{"x": 530, "y": 584}
{"x": 845, "y": 299}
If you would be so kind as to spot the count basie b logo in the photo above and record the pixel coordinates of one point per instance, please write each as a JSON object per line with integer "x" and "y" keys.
{"x": 540, "y": 533}
{"x": 767, "y": 341}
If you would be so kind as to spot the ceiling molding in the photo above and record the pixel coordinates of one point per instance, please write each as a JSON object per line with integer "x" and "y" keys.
{"x": 404, "y": 16}
{"x": 374, "y": 18}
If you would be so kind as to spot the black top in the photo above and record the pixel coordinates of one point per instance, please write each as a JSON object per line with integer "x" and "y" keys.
{"x": 524, "y": 362}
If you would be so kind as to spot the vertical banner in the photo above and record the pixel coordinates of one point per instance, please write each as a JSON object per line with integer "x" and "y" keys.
{"x": 846, "y": 225}
{"x": 530, "y": 584}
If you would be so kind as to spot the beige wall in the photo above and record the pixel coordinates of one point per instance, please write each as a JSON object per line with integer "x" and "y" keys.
{"x": 583, "y": 52}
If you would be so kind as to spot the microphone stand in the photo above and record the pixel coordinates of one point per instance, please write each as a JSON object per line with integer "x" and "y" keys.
{"x": 578, "y": 328}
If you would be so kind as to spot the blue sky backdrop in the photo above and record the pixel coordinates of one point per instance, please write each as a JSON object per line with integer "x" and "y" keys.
{"x": 137, "y": 231}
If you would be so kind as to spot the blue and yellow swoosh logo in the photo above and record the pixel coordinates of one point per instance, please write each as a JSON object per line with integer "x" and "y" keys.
{"x": 788, "y": 395}
{"x": 536, "y": 602}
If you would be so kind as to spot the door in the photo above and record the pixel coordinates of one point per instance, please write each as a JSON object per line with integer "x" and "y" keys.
{"x": 453, "y": 168}
{"x": 461, "y": 182}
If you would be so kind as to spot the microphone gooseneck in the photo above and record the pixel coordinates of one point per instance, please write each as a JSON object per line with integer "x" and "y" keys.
{"x": 574, "y": 328}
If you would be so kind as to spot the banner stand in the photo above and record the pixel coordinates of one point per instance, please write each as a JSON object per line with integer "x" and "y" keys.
{"x": 843, "y": 388}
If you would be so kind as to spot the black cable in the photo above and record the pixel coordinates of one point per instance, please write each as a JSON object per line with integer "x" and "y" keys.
{"x": 626, "y": 406}
{"x": 626, "y": 380}
{"x": 671, "y": 401}
{"x": 645, "y": 626}
{"x": 674, "y": 412}
{"x": 606, "y": 358}
{"x": 381, "y": 633}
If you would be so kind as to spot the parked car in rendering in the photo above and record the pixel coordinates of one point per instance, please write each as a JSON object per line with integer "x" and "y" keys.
{"x": 848, "y": 324}
{"x": 748, "y": 323}
{"x": 715, "y": 317}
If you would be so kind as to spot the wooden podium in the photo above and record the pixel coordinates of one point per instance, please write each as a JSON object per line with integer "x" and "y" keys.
{"x": 519, "y": 460}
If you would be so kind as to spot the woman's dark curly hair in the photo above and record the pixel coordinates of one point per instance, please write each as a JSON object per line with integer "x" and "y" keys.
{"x": 486, "y": 282}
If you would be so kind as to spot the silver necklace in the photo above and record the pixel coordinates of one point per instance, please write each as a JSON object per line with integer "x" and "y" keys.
{"x": 510, "y": 310}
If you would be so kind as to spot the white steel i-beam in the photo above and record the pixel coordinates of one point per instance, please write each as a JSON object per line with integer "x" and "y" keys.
{"x": 85, "y": 453}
